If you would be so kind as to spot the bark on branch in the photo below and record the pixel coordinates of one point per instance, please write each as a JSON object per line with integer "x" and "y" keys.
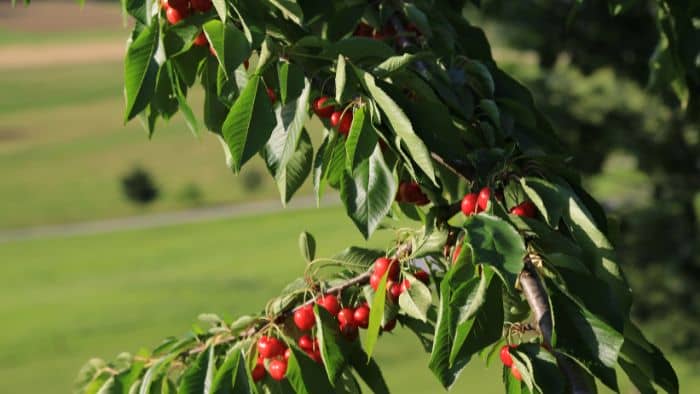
{"x": 536, "y": 297}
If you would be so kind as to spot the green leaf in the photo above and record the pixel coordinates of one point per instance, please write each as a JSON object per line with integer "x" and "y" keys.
{"x": 230, "y": 44}
{"x": 401, "y": 125}
{"x": 340, "y": 78}
{"x": 597, "y": 252}
{"x": 479, "y": 78}
{"x": 329, "y": 163}
{"x": 249, "y": 123}
{"x": 289, "y": 153}
{"x": 307, "y": 245}
{"x": 192, "y": 381}
{"x": 358, "y": 49}
{"x": 586, "y": 338}
{"x": 305, "y": 375}
{"x": 469, "y": 297}
{"x": 327, "y": 334}
{"x": 644, "y": 363}
{"x": 368, "y": 193}
{"x": 446, "y": 372}
{"x": 292, "y": 82}
{"x": 376, "y": 315}
{"x": 158, "y": 369}
{"x": 547, "y": 376}
{"x": 416, "y": 300}
{"x": 140, "y": 71}
{"x": 290, "y": 9}
{"x": 485, "y": 326}
{"x": 546, "y": 197}
{"x": 369, "y": 371}
{"x": 496, "y": 243}
{"x": 361, "y": 258}
{"x": 220, "y": 7}
{"x": 396, "y": 63}
{"x": 361, "y": 141}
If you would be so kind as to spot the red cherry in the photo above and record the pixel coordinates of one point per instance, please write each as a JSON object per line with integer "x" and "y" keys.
{"x": 518, "y": 211}
{"x": 374, "y": 281}
{"x": 516, "y": 374}
{"x": 483, "y": 200}
{"x": 346, "y": 317}
{"x": 345, "y": 124}
{"x": 314, "y": 355}
{"x": 305, "y": 342}
{"x": 175, "y": 15}
{"x": 422, "y": 276}
{"x": 377, "y": 35}
{"x": 405, "y": 285}
{"x": 389, "y": 326}
{"x": 506, "y": 358}
{"x": 330, "y": 303}
{"x": 258, "y": 372}
{"x": 412, "y": 193}
{"x": 278, "y": 368}
{"x": 272, "y": 95}
{"x": 270, "y": 347}
{"x": 342, "y": 121}
{"x": 361, "y": 316}
{"x": 287, "y": 353}
{"x": 304, "y": 318}
{"x": 469, "y": 204}
{"x": 200, "y": 40}
{"x": 457, "y": 251}
{"x": 395, "y": 291}
{"x": 530, "y": 209}
{"x": 349, "y": 332}
{"x": 246, "y": 64}
{"x": 164, "y": 4}
{"x": 414, "y": 29}
{"x": 322, "y": 110}
{"x": 201, "y": 5}
{"x": 182, "y": 5}
{"x": 335, "y": 118}
{"x": 382, "y": 264}
{"x": 363, "y": 30}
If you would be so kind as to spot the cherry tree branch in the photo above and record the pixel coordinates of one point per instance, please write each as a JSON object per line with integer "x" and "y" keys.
{"x": 536, "y": 296}
{"x": 359, "y": 280}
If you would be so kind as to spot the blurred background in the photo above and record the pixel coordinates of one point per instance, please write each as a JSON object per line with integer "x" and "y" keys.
{"x": 110, "y": 241}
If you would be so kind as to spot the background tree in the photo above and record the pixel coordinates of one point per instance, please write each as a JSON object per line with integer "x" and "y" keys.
{"x": 419, "y": 107}
{"x": 607, "y": 118}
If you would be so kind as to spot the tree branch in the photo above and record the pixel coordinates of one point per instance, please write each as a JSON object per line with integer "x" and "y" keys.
{"x": 358, "y": 280}
{"x": 536, "y": 297}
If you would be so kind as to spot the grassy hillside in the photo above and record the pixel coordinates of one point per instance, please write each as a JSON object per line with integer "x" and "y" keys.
{"x": 63, "y": 149}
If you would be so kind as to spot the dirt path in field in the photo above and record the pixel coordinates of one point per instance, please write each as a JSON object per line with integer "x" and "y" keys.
{"x": 67, "y": 19}
{"x": 164, "y": 219}
{"x": 37, "y": 56}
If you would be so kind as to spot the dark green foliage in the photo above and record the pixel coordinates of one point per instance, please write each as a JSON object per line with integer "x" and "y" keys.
{"x": 139, "y": 187}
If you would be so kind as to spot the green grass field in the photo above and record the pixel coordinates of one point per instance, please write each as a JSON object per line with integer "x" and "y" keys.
{"x": 63, "y": 142}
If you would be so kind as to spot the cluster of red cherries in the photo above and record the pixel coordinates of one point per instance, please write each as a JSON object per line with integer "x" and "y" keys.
{"x": 474, "y": 203}
{"x": 325, "y": 109}
{"x": 394, "y": 287}
{"x": 507, "y": 360}
{"x": 350, "y": 320}
{"x": 177, "y": 10}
